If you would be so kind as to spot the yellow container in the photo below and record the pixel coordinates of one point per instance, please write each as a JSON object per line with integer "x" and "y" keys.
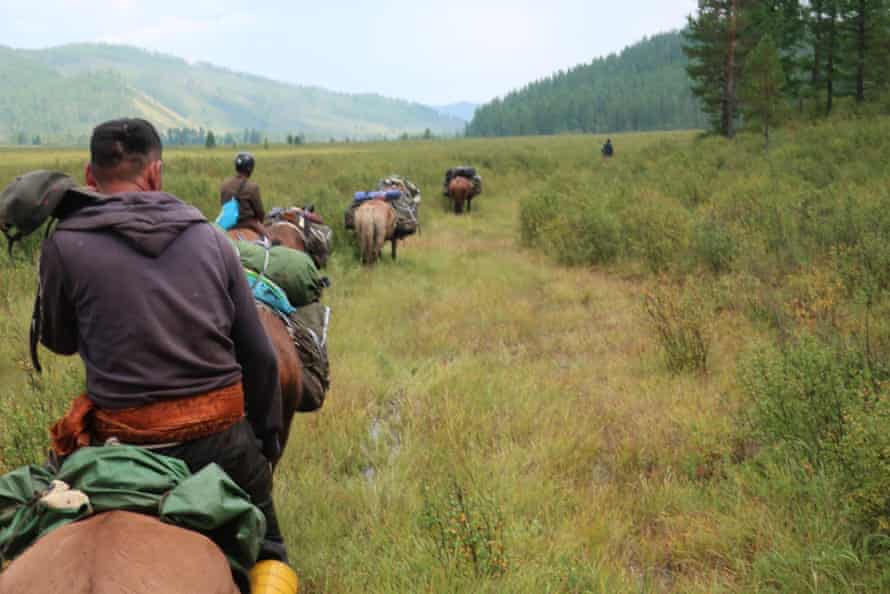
{"x": 273, "y": 577}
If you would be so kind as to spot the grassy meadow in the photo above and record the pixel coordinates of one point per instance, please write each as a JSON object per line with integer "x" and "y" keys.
{"x": 578, "y": 387}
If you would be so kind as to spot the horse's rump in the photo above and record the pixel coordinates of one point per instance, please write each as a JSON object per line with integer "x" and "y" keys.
{"x": 244, "y": 234}
{"x": 120, "y": 552}
{"x": 460, "y": 191}
{"x": 375, "y": 222}
{"x": 461, "y": 185}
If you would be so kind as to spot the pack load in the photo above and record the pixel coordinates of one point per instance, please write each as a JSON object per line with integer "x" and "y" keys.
{"x": 360, "y": 197}
{"x": 293, "y": 271}
{"x": 309, "y": 331}
{"x": 388, "y": 195}
{"x": 463, "y": 171}
{"x": 35, "y": 500}
{"x": 287, "y": 282}
{"x": 406, "y": 206}
{"x": 268, "y": 293}
{"x": 317, "y": 237}
{"x": 405, "y": 203}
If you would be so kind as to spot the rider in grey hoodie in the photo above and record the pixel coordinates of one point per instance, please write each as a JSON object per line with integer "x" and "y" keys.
{"x": 155, "y": 301}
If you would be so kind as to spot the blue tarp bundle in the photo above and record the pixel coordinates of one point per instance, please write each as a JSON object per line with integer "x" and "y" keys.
{"x": 388, "y": 195}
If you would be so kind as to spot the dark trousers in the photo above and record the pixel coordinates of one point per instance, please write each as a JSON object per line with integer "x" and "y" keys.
{"x": 237, "y": 451}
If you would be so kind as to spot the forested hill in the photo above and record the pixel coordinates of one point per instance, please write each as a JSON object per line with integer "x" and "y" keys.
{"x": 645, "y": 87}
{"x": 59, "y": 93}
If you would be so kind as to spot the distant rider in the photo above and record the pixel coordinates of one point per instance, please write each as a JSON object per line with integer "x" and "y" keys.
{"x": 607, "y": 150}
{"x": 251, "y": 213}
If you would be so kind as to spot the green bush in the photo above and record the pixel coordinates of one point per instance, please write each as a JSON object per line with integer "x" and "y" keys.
{"x": 714, "y": 246}
{"x": 863, "y": 453}
{"x": 535, "y": 214}
{"x": 802, "y": 395}
{"x": 657, "y": 228}
{"x": 591, "y": 236}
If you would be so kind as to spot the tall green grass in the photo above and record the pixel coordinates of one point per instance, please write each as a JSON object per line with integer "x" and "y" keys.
{"x": 795, "y": 243}
{"x": 500, "y": 423}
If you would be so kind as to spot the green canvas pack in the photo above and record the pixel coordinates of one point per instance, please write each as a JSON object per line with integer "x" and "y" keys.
{"x": 293, "y": 271}
{"x": 129, "y": 478}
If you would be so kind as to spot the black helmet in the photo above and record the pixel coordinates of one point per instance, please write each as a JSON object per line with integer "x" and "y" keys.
{"x": 244, "y": 163}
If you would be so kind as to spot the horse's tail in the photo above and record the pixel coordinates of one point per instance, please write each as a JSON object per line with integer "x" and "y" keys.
{"x": 365, "y": 226}
{"x": 379, "y": 231}
{"x": 459, "y": 191}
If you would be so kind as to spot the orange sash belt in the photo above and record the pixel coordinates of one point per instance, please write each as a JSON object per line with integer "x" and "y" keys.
{"x": 165, "y": 421}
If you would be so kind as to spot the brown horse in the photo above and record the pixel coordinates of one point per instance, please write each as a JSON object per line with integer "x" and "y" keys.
{"x": 375, "y": 222}
{"x": 282, "y": 233}
{"x": 290, "y": 368}
{"x": 120, "y": 552}
{"x": 460, "y": 190}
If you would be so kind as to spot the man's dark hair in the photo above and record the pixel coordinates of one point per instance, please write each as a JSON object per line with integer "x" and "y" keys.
{"x": 122, "y": 149}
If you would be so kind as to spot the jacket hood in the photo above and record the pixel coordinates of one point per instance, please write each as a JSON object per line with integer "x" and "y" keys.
{"x": 149, "y": 221}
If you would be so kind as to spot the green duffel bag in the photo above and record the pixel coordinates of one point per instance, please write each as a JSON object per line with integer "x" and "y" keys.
{"x": 293, "y": 271}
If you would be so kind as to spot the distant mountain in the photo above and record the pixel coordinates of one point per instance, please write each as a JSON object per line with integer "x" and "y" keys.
{"x": 645, "y": 87}
{"x": 463, "y": 110}
{"x": 60, "y": 93}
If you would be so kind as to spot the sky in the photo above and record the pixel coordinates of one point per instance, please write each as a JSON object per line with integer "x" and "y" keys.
{"x": 426, "y": 51}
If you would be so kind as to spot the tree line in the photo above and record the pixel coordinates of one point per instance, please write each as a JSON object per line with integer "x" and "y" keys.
{"x": 645, "y": 87}
{"x": 760, "y": 59}
{"x": 200, "y": 136}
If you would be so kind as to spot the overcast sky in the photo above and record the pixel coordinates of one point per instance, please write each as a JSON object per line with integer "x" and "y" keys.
{"x": 426, "y": 51}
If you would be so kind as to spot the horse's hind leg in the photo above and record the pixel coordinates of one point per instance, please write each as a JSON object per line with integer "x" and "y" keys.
{"x": 394, "y": 241}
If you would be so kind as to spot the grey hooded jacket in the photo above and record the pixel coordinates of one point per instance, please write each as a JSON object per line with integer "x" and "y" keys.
{"x": 155, "y": 301}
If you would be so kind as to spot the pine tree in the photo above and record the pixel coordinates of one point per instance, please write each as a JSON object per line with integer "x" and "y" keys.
{"x": 761, "y": 90}
{"x": 783, "y": 20}
{"x": 716, "y": 48}
{"x": 210, "y": 141}
{"x": 823, "y": 24}
{"x": 867, "y": 31}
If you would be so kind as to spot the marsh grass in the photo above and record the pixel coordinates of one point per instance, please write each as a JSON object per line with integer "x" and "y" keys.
{"x": 475, "y": 366}
{"x": 681, "y": 318}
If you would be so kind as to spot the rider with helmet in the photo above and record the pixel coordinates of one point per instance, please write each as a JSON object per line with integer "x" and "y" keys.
{"x": 250, "y": 206}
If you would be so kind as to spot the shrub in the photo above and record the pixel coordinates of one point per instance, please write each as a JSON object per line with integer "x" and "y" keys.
{"x": 714, "y": 246}
{"x": 536, "y": 211}
{"x": 801, "y": 396}
{"x": 864, "y": 455}
{"x": 591, "y": 236}
{"x": 682, "y": 321}
{"x": 465, "y": 530}
{"x": 657, "y": 228}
